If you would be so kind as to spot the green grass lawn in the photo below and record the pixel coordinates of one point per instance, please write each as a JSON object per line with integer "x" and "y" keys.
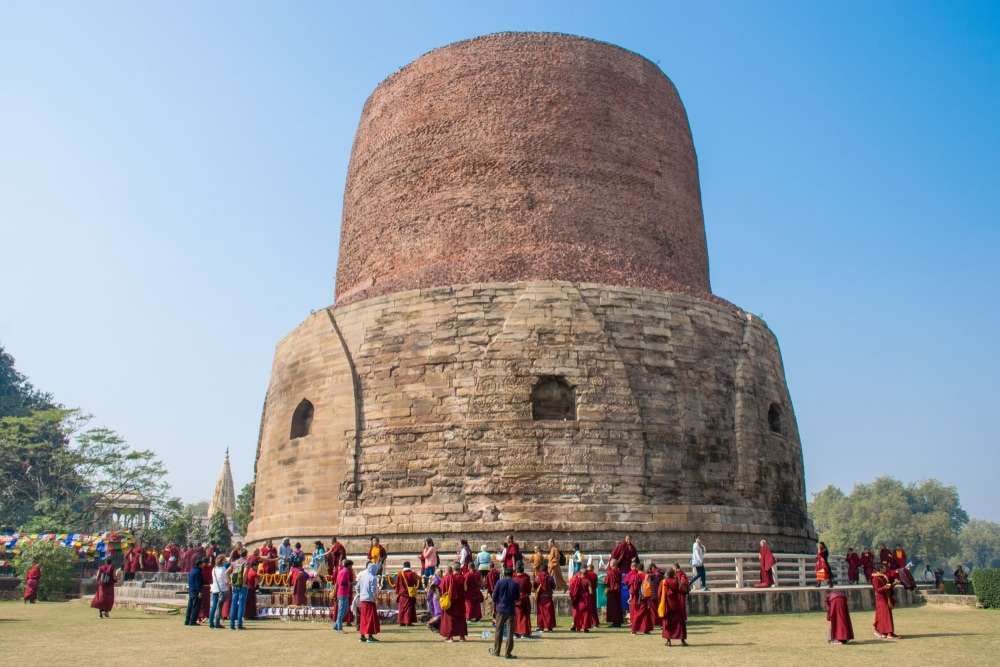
{"x": 71, "y": 633}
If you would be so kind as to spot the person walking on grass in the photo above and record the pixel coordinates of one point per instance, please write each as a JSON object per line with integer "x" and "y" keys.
{"x": 698, "y": 563}
{"x": 368, "y": 623}
{"x": 505, "y": 597}
{"x": 104, "y": 600}
{"x": 238, "y": 588}
{"x": 32, "y": 579}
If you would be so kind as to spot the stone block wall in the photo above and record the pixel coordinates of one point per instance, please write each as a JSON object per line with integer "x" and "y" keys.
{"x": 423, "y": 422}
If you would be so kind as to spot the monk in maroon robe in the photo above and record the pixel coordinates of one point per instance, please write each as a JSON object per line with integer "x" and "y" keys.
{"x": 767, "y": 563}
{"x": 492, "y": 577}
{"x": 545, "y": 608}
{"x": 453, "y": 623}
{"x": 671, "y": 600}
{"x": 149, "y": 563}
{"x": 269, "y": 558}
{"x": 824, "y": 575}
{"x": 32, "y": 579}
{"x": 522, "y": 609}
{"x": 406, "y": 605}
{"x": 335, "y": 558}
{"x": 473, "y": 594}
{"x": 206, "y": 590}
{"x": 867, "y": 563}
{"x": 625, "y": 552}
{"x": 841, "y": 630}
{"x": 655, "y": 575}
{"x": 885, "y": 556}
{"x": 613, "y": 582}
{"x": 511, "y": 553}
{"x": 640, "y": 593}
{"x": 853, "y": 563}
{"x": 133, "y": 562}
{"x": 250, "y": 580}
{"x": 884, "y": 602}
{"x": 579, "y": 597}
{"x": 683, "y": 587}
{"x": 595, "y": 620}
{"x": 298, "y": 581}
{"x": 104, "y": 599}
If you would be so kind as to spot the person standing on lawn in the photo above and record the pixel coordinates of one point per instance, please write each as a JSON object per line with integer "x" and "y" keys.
{"x": 613, "y": 582}
{"x": 522, "y": 612}
{"x": 368, "y": 623}
{"x": 505, "y": 596}
{"x": 841, "y": 631}
{"x": 104, "y": 600}
{"x": 32, "y": 579}
{"x": 220, "y": 592}
{"x": 194, "y": 594}
{"x": 884, "y": 602}
{"x": 545, "y": 608}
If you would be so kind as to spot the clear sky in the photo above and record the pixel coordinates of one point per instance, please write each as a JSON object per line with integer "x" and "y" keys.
{"x": 171, "y": 178}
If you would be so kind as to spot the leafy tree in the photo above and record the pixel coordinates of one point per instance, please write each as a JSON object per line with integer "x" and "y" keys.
{"x": 56, "y": 562}
{"x": 925, "y": 518}
{"x": 980, "y": 544}
{"x": 244, "y": 508}
{"x": 17, "y": 397}
{"x": 218, "y": 531}
{"x": 176, "y": 522}
{"x": 39, "y": 472}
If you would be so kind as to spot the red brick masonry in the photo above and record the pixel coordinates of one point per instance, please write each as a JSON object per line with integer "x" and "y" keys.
{"x": 523, "y": 156}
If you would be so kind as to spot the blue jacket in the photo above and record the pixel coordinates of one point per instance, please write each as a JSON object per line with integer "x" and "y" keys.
{"x": 505, "y": 594}
{"x": 194, "y": 580}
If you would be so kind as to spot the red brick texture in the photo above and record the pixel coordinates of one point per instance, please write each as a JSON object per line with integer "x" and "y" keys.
{"x": 523, "y": 156}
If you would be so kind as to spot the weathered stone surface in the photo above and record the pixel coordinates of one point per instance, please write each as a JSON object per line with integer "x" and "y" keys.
{"x": 669, "y": 439}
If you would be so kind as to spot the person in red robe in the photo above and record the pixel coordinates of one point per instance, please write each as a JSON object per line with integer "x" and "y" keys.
{"x": 32, "y": 579}
{"x": 824, "y": 575}
{"x": 613, "y": 582}
{"x": 511, "y": 553}
{"x": 884, "y": 602}
{"x": 406, "y": 604}
{"x": 171, "y": 558}
{"x": 250, "y": 580}
{"x": 625, "y": 552}
{"x": 104, "y": 599}
{"x": 298, "y": 581}
{"x": 269, "y": 558}
{"x": 841, "y": 630}
{"x": 885, "y": 556}
{"x": 579, "y": 597}
{"x": 206, "y": 590}
{"x": 133, "y": 562}
{"x": 522, "y": 610}
{"x": 674, "y": 606}
{"x": 545, "y": 608}
{"x": 767, "y": 563}
{"x": 492, "y": 577}
{"x": 899, "y": 557}
{"x": 149, "y": 563}
{"x": 595, "y": 619}
{"x": 473, "y": 594}
{"x": 853, "y": 563}
{"x": 655, "y": 576}
{"x": 335, "y": 557}
{"x": 453, "y": 622}
{"x": 640, "y": 593}
{"x": 867, "y": 563}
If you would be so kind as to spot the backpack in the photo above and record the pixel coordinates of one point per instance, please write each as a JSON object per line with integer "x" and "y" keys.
{"x": 236, "y": 577}
{"x": 562, "y": 558}
{"x": 647, "y": 588}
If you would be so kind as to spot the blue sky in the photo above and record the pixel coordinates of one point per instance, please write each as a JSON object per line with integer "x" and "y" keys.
{"x": 171, "y": 177}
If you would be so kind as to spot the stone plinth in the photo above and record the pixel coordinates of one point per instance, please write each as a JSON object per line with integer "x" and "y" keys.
{"x": 421, "y": 422}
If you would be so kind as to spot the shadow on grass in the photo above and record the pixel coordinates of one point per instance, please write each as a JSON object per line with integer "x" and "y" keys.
{"x": 932, "y": 635}
{"x": 712, "y": 645}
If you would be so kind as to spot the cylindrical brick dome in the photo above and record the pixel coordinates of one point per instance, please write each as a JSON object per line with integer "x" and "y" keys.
{"x": 523, "y": 156}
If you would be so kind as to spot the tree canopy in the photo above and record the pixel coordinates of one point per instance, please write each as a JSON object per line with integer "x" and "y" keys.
{"x": 244, "y": 508}
{"x": 925, "y": 517}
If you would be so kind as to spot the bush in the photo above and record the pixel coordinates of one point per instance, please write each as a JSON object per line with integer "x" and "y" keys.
{"x": 987, "y": 585}
{"x": 56, "y": 562}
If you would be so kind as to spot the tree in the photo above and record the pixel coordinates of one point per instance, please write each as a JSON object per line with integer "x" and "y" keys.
{"x": 244, "y": 508}
{"x": 39, "y": 475}
{"x": 17, "y": 397}
{"x": 56, "y": 562}
{"x": 925, "y": 518}
{"x": 218, "y": 531}
{"x": 980, "y": 544}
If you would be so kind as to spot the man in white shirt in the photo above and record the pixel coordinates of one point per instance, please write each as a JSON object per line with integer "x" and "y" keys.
{"x": 698, "y": 562}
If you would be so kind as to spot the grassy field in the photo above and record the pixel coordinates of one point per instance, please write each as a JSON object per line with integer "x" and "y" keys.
{"x": 70, "y": 632}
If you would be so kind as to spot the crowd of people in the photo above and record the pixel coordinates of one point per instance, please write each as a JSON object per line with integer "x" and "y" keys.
{"x": 515, "y": 590}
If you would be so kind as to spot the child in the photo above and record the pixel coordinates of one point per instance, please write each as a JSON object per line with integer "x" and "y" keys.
{"x": 840, "y": 629}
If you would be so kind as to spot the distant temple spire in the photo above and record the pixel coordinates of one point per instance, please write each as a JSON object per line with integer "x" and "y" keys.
{"x": 224, "y": 498}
